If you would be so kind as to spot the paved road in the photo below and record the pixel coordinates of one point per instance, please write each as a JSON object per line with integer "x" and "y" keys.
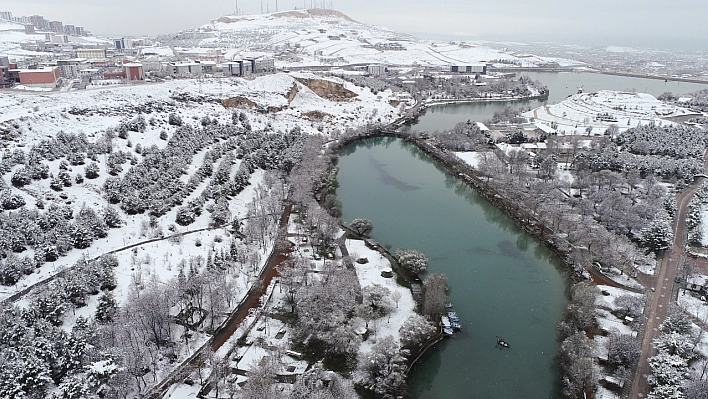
{"x": 664, "y": 288}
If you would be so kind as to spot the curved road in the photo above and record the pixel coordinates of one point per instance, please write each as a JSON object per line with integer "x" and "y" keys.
{"x": 663, "y": 295}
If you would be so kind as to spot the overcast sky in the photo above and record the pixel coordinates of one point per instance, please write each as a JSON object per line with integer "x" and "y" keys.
{"x": 640, "y": 23}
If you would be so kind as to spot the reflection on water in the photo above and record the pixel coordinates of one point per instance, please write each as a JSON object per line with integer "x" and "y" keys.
{"x": 389, "y": 180}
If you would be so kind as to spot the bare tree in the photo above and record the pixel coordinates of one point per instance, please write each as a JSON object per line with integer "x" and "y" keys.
{"x": 396, "y": 296}
{"x": 435, "y": 295}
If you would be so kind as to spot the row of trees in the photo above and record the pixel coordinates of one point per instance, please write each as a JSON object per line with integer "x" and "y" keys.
{"x": 694, "y": 216}
{"x": 575, "y": 356}
{"x": 678, "y": 142}
{"x": 697, "y": 101}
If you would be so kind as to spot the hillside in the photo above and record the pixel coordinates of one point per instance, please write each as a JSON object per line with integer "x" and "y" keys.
{"x": 13, "y": 36}
{"x": 598, "y": 111}
{"x": 322, "y": 37}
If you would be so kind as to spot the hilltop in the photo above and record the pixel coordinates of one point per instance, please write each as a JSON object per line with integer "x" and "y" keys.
{"x": 324, "y": 37}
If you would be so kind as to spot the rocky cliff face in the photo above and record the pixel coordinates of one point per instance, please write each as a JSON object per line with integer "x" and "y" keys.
{"x": 328, "y": 90}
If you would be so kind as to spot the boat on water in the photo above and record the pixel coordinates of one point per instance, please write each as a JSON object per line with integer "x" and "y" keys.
{"x": 447, "y": 327}
{"x": 501, "y": 342}
{"x": 450, "y": 322}
{"x": 454, "y": 320}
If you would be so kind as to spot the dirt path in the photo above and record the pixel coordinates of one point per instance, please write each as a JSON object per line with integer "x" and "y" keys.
{"x": 229, "y": 327}
{"x": 600, "y": 279}
{"x": 664, "y": 288}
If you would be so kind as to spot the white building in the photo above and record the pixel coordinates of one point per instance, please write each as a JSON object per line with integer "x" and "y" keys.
{"x": 474, "y": 68}
{"x": 151, "y": 63}
{"x": 186, "y": 69}
{"x": 376, "y": 70}
{"x": 232, "y": 68}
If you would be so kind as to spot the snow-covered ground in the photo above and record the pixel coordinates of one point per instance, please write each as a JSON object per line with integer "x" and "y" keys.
{"x": 322, "y": 37}
{"x": 704, "y": 226}
{"x": 470, "y": 158}
{"x": 602, "y": 109}
{"x": 606, "y": 320}
{"x": 693, "y": 306}
{"x": 370, "y": 273}
{"x": 40, "y": 115}
{"x": 36, "y": 117}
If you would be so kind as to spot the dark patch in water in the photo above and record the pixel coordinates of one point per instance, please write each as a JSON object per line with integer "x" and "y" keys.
{"x": 478, "y": 250}
{"x": 508, "y": 248}
{"x": 390, "y": 180}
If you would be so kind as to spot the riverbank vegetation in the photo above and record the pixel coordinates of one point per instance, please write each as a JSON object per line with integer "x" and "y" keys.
{"x": 602, "y": 204}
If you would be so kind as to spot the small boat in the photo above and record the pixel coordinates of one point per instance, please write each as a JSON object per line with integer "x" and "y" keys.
{"x": 447, "y": 327}
{"x": 448, "y": 305}
{"x": 502, "y": 343}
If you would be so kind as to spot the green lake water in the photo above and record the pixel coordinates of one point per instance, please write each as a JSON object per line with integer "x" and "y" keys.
{"x": 560, "y": 85}
{"x": 504, "y": 282}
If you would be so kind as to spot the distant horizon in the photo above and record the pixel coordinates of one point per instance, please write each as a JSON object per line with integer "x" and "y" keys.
{"x": 440, "y": 24}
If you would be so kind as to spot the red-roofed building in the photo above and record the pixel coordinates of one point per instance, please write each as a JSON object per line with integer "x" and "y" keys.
{"x": 45, "y": 77}
{"x": 134, "y": 71}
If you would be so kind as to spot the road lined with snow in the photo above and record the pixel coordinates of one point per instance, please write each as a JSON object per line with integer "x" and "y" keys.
{"x": 663, "y": 295}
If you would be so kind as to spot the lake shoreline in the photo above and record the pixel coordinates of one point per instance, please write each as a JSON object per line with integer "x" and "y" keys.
{"x": 465, "y": 173}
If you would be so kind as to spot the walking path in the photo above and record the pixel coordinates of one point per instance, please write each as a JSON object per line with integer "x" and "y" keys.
{"x": 664, "y": 287}
{"x": 229, "y": 327}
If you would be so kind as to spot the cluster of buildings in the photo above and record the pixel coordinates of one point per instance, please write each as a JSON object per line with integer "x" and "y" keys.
{"x": 91, "y": 65}
{"x": 44, "y": 77}
{"x": 35, "y": 23}
{"x": 64, "y": 58}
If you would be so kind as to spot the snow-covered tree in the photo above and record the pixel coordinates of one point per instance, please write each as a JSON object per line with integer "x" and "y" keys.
{"x": 111, "y": 217}
{"x": 412, "y": 260}
{"x": 92, "y": 170}
{"x": 667, "y": 369}
{"x": 317, "y": 383}
{"x": 658, "y": 236}
{"x": 384, "y": 367}
{"x": 362, "y": 226}
{"x": 416, "y": 330}
{"x": 376, "y": 295}
{"x": 262, "y": 380}
{"x": 676, "y": 321}
{"x": 106, "y": 308}
{"x": 623, "y": 349}
{"x": 630, "y": 305}
{"x": 11, "y": 201}
{"x": 666, "y": 392}
{"x": 675, "y": 343}
{"x": 696, "y": 389}
{"x": 575, "y": 361}
{"x": 21, "y": 177}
